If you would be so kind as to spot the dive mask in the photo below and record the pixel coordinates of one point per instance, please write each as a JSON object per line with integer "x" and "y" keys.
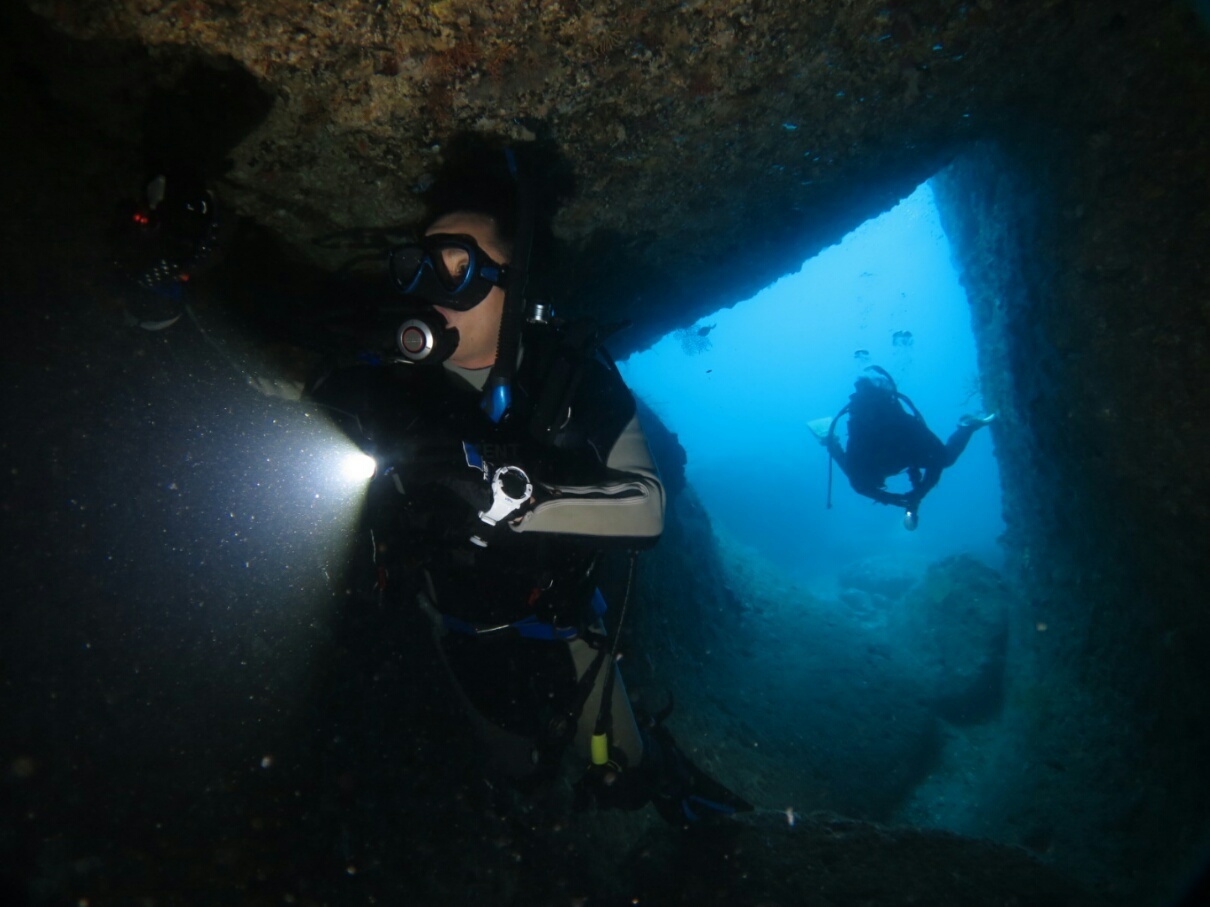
{"x": 447, "y": 270}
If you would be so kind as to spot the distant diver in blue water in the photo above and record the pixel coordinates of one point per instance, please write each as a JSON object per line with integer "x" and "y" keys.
{"x": 510, "y": 457}
{"x": 888, "y": 436}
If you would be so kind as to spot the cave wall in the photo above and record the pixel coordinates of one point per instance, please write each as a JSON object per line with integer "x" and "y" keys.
{"x": 1080, "y": 236}
{"x": 715, "y": 144}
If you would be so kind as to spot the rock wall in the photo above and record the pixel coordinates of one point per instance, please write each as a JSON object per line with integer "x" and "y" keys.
{"x": 716, "y": 144}
{"x": 1080, "y": 235}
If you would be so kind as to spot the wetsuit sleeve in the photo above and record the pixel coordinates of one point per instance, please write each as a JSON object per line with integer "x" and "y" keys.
{"x": 881, "y": 495}
{"x": 929, "y": 457}
{"x": 626, "y": 501}
{"x": 932, "y": 475}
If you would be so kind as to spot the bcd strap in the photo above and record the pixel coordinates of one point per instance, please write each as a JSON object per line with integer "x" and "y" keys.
{"x": 577, "y": 344}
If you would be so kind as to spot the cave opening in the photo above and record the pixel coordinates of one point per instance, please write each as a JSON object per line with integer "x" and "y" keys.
{"x": 740, "y": 386}
{"x": 875, "y": 668}
{"x": 841, "y": 662}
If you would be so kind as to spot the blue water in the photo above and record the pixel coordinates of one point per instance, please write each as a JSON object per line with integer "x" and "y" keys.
{"x": 740, "y": 394}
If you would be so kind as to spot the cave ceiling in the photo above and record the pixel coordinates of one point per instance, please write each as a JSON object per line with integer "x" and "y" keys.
{"x": 715, "y": 144}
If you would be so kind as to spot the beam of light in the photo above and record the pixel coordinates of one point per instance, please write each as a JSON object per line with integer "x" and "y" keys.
{"x": 333, "y": 472}
{"x": 358, "y": 467}
{"x": 296, "y": 494}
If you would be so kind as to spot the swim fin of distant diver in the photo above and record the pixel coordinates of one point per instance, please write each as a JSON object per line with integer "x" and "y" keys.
{"x": 969, "y": 421}
{"x": 820, "y": 428}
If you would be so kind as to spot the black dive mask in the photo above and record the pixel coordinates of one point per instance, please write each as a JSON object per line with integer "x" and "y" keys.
{"x": 447, "y": 270}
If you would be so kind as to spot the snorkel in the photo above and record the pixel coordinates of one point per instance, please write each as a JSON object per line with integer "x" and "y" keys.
{"x": 451, "y": 270}
{"x": 498, "y": 392}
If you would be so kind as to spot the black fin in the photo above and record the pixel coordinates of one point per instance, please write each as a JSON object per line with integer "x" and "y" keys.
{"x": 684, "y": 793}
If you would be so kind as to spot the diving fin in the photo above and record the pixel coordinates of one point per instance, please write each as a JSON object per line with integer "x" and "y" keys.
{"x": 682, "y": 793}
{"x": 969, "y": 421}
{"x": 820, "y": 428}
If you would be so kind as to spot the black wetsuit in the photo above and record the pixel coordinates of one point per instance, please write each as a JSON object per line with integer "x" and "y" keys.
{"x": 509, "y": 601}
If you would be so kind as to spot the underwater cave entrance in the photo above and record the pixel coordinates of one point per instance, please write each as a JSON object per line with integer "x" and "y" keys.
{"x": 739, "y": 387}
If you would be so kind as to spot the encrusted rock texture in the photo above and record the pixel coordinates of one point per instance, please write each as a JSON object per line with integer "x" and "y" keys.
{"x": 715, "y": 144}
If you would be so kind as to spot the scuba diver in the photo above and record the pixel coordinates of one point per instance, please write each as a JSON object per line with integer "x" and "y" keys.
{"x": 509, "y": 458}
{"x": 888, "y": 436}
{"x": 174, "y": 235}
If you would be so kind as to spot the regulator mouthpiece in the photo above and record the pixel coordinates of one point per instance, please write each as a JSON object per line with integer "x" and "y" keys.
{"x": 426, "y": 338}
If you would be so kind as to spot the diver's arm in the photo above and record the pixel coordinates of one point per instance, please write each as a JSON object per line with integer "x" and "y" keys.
{"x": 624, "y": 500}
{"x": 932, "y": 475}
{"x": 890, "y": 497}
{"x": 928, "y": 453}
{"x": 878, "y": 494}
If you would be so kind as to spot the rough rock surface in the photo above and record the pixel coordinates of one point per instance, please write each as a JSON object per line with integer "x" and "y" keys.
{"x": 716, "y": 144}
{"x": 823, "y": 859}
{"x": 956, "y": 623}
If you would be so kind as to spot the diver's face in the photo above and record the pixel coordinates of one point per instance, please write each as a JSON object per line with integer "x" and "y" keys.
{"x": 478, "y": 328}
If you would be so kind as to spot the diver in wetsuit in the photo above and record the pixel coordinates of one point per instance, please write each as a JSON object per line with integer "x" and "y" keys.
{"x": 510, "y": 457}
{"x": 888, "y": 436}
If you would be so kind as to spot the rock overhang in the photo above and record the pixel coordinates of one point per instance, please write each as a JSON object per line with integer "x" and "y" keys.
{"x": 715, "y": 145}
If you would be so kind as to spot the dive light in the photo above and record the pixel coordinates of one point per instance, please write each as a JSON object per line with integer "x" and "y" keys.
{"x": 358, "y": 467}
